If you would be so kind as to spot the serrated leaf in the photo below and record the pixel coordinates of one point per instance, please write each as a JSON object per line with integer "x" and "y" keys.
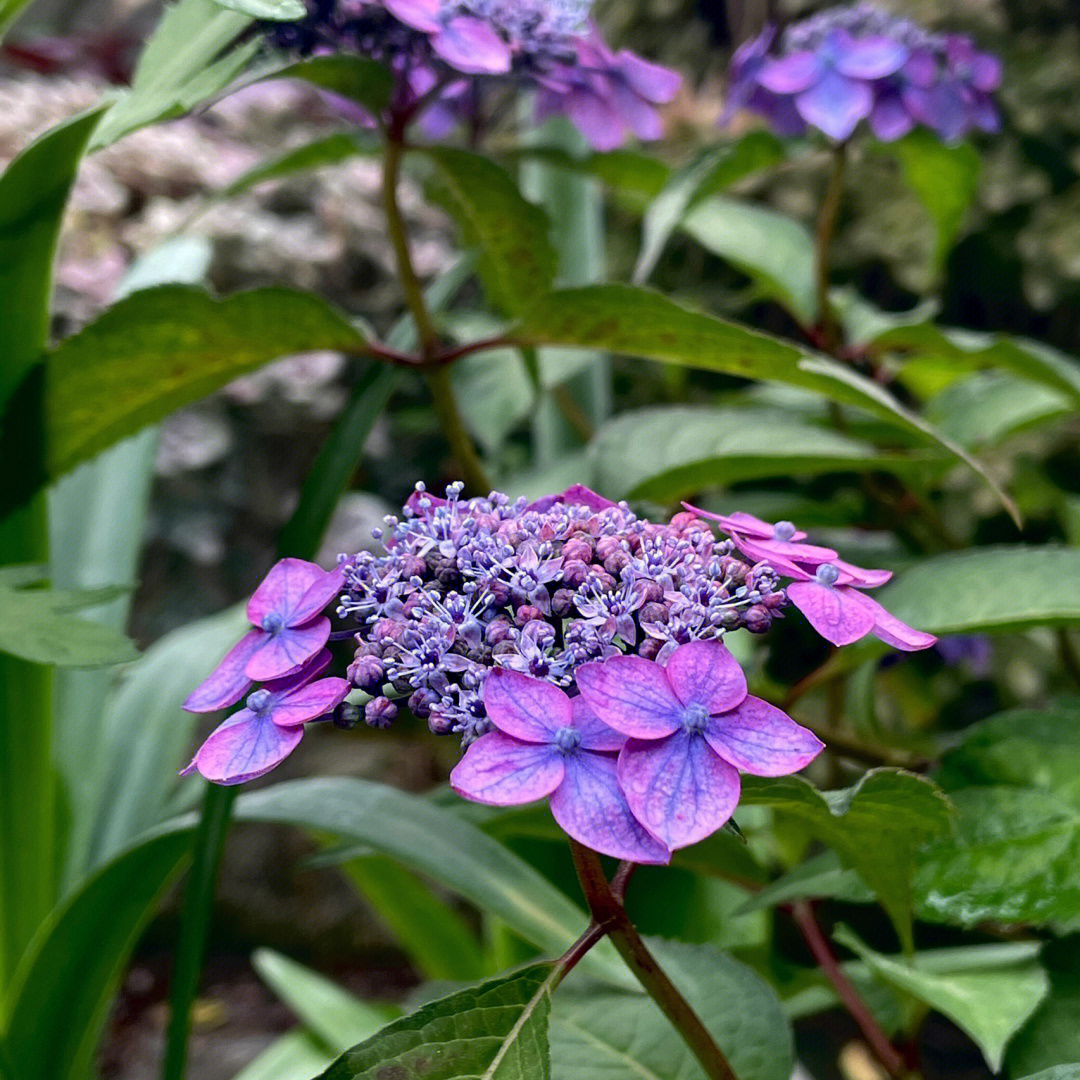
{"x": 990, "y": 1005}
{"x": 358, "y": 78}
{"x": 158, "y": 350}
{"x": 668, "y": 453}
{"x": 494, "y": 1031}
{"x": 991, "y": 589}
{"x": 59, "y": 999}
{"x": 643, "y": 323}
{"x": 38, "y": 624}
{"x": 623, "y": 1036}
{"x": 875, "y": 827}
{"x": 516, "y": 259}
{"x": 335, "y": 1016}
{"x": 282, "y": 10}
{"x": 1052, "y": 1035}
{"x": 464, "y": 859}
{"x": 820, "y": 877}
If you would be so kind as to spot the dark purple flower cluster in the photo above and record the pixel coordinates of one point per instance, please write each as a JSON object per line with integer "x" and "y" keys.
{"x": 855, "y": 63}
{"x": 438, "y": 47}
{"x": 466, "y": 586}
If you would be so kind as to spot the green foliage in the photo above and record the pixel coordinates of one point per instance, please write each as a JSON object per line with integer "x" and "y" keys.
{"x": 990, "y": 1004}
{"x": 266, "y": 9}
{"x": 329, "y": 150}
{"x": 989, "y": 589}
{"x": 621, "y": 1035}
{"x": 515, "y": 256}
{"x": 38, "y": 623}
{"x": 358, "y": 78}
{"x": 876, "y": 827}
{"x": 494, "y": 1031}
{"x": 1052, "y": 1035}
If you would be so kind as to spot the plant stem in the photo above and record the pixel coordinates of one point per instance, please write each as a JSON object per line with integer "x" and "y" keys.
{"x": 846, "y": 991}
{"x": 608, "y": 912}
{"x": 198, "y": 904}
{"x": 461, "y": 445}
{"x": 823, "y": 238}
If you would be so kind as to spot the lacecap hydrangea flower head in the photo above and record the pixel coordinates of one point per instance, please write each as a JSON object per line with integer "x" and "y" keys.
{"x": 854, "y": 63}
{"x": 446, "y": 52}
{"x": 576, "y": 648}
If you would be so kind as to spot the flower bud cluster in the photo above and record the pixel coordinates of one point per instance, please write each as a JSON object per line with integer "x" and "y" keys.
{"x": 469, "y": 585}
{"x": 854, "y": 63}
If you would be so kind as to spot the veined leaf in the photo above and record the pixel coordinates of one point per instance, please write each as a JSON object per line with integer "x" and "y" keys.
{"x": 1052, "y": 1035}
{"x": 494, "y": 1031}
{"x": 516, "y": 259}
{"x": 990, "y": 1005}
{"x": 283, "y": 10}
{"x": 876, "y": 827}
{"x": 359, "y": 78}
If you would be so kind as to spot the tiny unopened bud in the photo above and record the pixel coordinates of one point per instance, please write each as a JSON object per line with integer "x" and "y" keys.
{"x": 380, "y": 712}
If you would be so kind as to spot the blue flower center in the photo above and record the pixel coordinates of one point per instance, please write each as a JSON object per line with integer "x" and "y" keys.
{"x": 695, "y": 717}
{"x": 260, "y": 701}
{"x": 827, "y": 574}
{"x": 783, "y": 530}
{"x": 273, "y": 623}
{"x": 568, "y": 739}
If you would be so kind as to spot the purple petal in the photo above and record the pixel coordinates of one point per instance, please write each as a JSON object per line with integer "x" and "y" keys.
{"x": 282, "y": 590}
{"x": 764, "y": 550}
{"x": 921, "y": 68}
{"x": 503, "y": 771}
{"x": 527, "y": 708}
{"x": 649, "y": 81}
{"x": 227, "y": 684}
{"x": 860, "y": 578}
{"x": 986, "y": 72}
{"x": 889, "y": 120}
{"x": 310, "y": 702}
{"x": 422, "y": 15}
{"x": 677, "y": 787}
{"x": 322, "y": 593}
{"x": 243, "y": 747}
{"x": 595, "y": 734}
{"x": 759, "y": 738}
{"x": 791, "y": 74}
{"x": 637, "y": 114}
{"x": 835, "y": 613}
{"x": 589, "y": 806}
{"x": 280, "y": 654}
{"x": 596, "y": 117}
{"x": 894, "y": 631}
{"x": 835, "y": 104}
{"x": 472, "y": 46}
{"x": 303, "y": 675}
{"x": 705, "y": 673}
{"x": 871, "y": 57}
{"x": 632, "y": 695}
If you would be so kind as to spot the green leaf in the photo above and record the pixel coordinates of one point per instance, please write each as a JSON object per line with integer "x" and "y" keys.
{"x": 297, "y": 1055}
{"x": 8, "y": 10}
{"x": 596, "y": 1032}
{"x": 516, "y": 259}
{"x": 37, "y": 623}
{"x": 329, "y": 150}
{"x": 161, "y": 349}
{"x": 641, "y": 322}
{"x": 668, "y": 453}
{"x": 991, "y": 589}
{"x": 629, "y": 172}
{"x": 494, "y": 1031}
{"x": 60, "y": 997}
{"x": 465, "y": 860}
{"x": 1012, "y": 860}
{"x": 875, "y": 827}
{"x": 186, "y": 61}
{"x": 820, "y": 877}
{"x": 945, "y": 178}
{"x": 1052, "y": 1035}
{"x": 985, "y": 408}
{"x": 775, "y": 251}
{"x": 433, "y": 935}
{"x": 1057, "y": 1072}
{"x": 283, "y": 10}
{"x": 714, "y": 171}
{"x": 990, "y": 1005}
{"x": 358, "y": 78}
{"x": 336, "y": 1017}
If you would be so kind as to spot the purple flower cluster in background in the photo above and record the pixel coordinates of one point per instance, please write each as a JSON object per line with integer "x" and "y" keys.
{"x": 439, "y": 48}
{"x": 575, "y": 647}
{"x": 849, "y": 64}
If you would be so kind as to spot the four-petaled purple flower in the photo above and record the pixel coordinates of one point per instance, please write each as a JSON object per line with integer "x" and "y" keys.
{"x": 289, "y": 629}
{"x": 692, "y": 727}
{"x": 269, "y": 728}
{"x": 547, "y": 745}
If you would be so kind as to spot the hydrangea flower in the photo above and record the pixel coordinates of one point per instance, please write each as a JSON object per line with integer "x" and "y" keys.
{"x": 289, "y": 629}
{"x": 692, "y": 727}
{"x": 269, "y": 728}
{"x": 548, "y": 745}
{"x": 548, "y": 44}
{"x": 849, "y": 64}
